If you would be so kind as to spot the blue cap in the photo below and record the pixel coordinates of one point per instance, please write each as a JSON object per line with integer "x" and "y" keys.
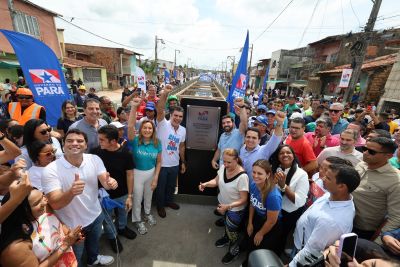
{"x": 150, "y": 106}
{"x": 262, "y": 119}
{"x": 263, "y": 107}
{"x": 271, "y": 111}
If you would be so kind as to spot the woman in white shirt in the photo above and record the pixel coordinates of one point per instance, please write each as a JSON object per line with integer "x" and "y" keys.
{"x": 41, "y": 153}
{"x": 233, "y": 184}
{"x": 294, "y": 186}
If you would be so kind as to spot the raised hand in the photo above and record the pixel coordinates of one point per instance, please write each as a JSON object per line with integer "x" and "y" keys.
{"x": 17, "y": 167}
{"x": 77, "y": 186}
{"x": 135, "y": 102}
{"x": 280, "y": 116}
{"x": 20, "y": 189}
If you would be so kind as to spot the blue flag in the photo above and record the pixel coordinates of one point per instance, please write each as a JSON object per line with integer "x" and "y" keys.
{"x": 166, "y": 76}
{"x": 42, "y": 72}
{"x": 260, "y": 96}
{"x": 175, "y": 73}
{"x": 239, "y": 81}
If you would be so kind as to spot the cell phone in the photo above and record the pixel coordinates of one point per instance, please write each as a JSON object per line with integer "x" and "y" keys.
{"x": 347, "y": 248}
{"x": 369, "y": 108}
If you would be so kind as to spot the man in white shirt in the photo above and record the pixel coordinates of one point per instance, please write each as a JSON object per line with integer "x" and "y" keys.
{"x": 71, "y": 187}
{"x": 172, "y": 136}
{"x": 346, "y": 149}
{"x": 330, "y": 216}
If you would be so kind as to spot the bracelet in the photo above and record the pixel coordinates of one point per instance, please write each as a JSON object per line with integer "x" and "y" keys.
{"x": 283, "y": 189}
{"x": 129, "y": 195}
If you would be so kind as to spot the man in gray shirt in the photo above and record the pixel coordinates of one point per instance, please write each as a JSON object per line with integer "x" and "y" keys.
{"x": 91, "y": 122}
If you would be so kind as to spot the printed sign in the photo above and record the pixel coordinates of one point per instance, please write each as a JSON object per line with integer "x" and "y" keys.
{"x": 345, "y": 79}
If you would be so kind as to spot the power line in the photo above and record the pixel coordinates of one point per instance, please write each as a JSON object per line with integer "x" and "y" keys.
{"x": 272, "y": 22}
{"x": 99, "y": 36}
{"x": 308, "y": 24}
{"x": 355, "y": 14}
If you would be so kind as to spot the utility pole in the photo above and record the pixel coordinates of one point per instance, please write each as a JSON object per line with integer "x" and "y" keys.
{"x": 359, "y": 49}
{"x": 233, "y": 64}
{"x": 155, "y": 56}
{"x": 12, "y": 13}
{"x": 176, "y": 50}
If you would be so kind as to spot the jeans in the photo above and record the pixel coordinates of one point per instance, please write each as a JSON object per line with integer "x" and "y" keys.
{"x": 92, "y": 234}
{"x": 121, "y": 219}
{"x": 166, "y": 185}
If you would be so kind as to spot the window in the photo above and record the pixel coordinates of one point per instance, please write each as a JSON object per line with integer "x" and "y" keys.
{"x": 27, "y": 24}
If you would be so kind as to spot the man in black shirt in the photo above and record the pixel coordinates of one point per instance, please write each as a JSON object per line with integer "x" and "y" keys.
{"x": 118, "y": 161}
{"x": 317, "y": 112}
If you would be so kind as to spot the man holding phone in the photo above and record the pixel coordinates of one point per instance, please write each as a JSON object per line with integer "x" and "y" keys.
{"x": 330, "y": 216}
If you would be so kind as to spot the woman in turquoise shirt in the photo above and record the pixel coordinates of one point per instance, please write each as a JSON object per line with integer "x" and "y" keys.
{"x": 146, "y": 150}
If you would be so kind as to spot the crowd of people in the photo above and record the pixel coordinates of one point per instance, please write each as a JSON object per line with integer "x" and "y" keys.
{"x": 293, "y": 176}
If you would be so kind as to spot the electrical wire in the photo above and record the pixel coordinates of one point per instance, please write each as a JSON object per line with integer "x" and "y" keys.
{"x": 273, "y": 21}
{"x": 99, "y": 36}
{"x": 308, "y": 24}
{"x": 355, "y": 14}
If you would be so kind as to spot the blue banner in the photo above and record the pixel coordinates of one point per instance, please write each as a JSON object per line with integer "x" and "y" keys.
{"x": 239, "y": 81}
{"x": 175, "y": 74}
{"x": 260, "y": 96}
{"x": 166, "y": 76}
{"x": 42, "y": 72}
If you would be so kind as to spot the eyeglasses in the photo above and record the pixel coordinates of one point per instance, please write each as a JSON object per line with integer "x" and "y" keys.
{"x": 45, "y": 131}
{"x": 49, "y": 153}
{"x": 261, "y": 111}
{"x": 371, "y": 151}
{"x": 22, "y": 97}
{"x": 334, "y": 110}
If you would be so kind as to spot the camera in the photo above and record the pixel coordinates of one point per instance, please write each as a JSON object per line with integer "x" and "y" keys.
{"x": 312, "y": 260}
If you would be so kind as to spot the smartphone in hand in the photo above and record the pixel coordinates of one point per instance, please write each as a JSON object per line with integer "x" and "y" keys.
{"x": 347, "y": 248}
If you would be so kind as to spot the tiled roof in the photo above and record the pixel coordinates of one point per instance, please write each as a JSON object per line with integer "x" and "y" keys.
{"x": 368, "y": 64}
{"x": 76, "y": 63}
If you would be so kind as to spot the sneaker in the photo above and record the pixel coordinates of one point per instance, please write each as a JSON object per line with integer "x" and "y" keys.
{"x": 102, "y": 260}
{"x": 141, "y": 228}
{"x": 222, "y": 242}
{"x": 128, "y": 233}
{"x": 220, "y": 222}
{"x": 161, "y": 212}
{"x": 229, "y": 257}
{"x": 173, "y": 206}
{"x": 176, "y": 190}
{"x": 116, "y": 245}
{"x": 150, "y": 219}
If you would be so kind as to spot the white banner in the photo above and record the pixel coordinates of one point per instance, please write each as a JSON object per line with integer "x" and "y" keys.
{"x": 345, "y": 79}
{"x": 141, "y": 79}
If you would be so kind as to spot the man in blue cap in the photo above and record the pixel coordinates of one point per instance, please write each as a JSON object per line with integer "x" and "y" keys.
{"x": 150, "y": 111}
{"x": 261, "y": 110}
{"x": 261, "y": 122}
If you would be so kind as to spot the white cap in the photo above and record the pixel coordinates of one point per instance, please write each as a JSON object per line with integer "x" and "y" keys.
{"x": 295, "y": 115}
{"x": 117, "y": 124}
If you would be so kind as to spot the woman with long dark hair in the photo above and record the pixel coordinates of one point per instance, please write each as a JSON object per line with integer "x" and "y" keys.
{"x": 32, "y": 237}
{"x": 41, "y": 153}
{"x": 69, "y": 115}
{"x": 146, "y": 150}
{"x": 293, "y": 183}
{"x": 233, "y": 184}
{"x": 37, "y": 130}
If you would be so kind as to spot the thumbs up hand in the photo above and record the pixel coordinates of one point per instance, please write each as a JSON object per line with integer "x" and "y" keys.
{"x": 77, "y": 186}
{"x": 111, "y": 182}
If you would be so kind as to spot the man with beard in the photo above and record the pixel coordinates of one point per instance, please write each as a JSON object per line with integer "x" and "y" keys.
{"x": 322, "y": 137}
{"x": 377, "y": 197}
{"x": 232, "y": 137}
{"x": 346, "y": 149}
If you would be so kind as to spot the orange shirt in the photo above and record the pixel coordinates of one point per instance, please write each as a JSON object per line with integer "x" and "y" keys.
{"x": 302, "y": 148}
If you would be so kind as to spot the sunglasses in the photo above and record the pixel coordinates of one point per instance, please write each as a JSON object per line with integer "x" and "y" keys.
{"x": 24, "y": 97}
{"x": 261, "y": 111}
{"x": 370, "y": 151}
{"x": 49, "y": 153}
{"x": 44, "y": 132}
{"x": 335, "y": 110}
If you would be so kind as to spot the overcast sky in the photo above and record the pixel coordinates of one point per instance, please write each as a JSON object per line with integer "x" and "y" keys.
{"x": 207, "y": 31}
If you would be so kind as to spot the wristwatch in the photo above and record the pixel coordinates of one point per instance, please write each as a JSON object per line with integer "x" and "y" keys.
{"x": 283, "y": 189}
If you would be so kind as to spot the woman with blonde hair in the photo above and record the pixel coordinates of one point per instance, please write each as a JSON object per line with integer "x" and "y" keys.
{"x": 263, "y": 229}
{"x": 146, "y": 149}
{"x": 233, "y": 184}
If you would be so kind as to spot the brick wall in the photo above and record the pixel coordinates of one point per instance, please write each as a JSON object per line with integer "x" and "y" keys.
{"x": 377, "y": 83}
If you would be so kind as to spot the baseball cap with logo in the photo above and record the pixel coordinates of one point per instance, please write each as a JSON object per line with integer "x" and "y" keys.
{"x": 150, "y": 106}
{"x": 262, "y": 107}
{"x": 262, "y": 119}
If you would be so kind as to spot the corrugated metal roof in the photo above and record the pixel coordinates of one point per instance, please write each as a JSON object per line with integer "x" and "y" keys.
{"x": 368, "y": 64}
